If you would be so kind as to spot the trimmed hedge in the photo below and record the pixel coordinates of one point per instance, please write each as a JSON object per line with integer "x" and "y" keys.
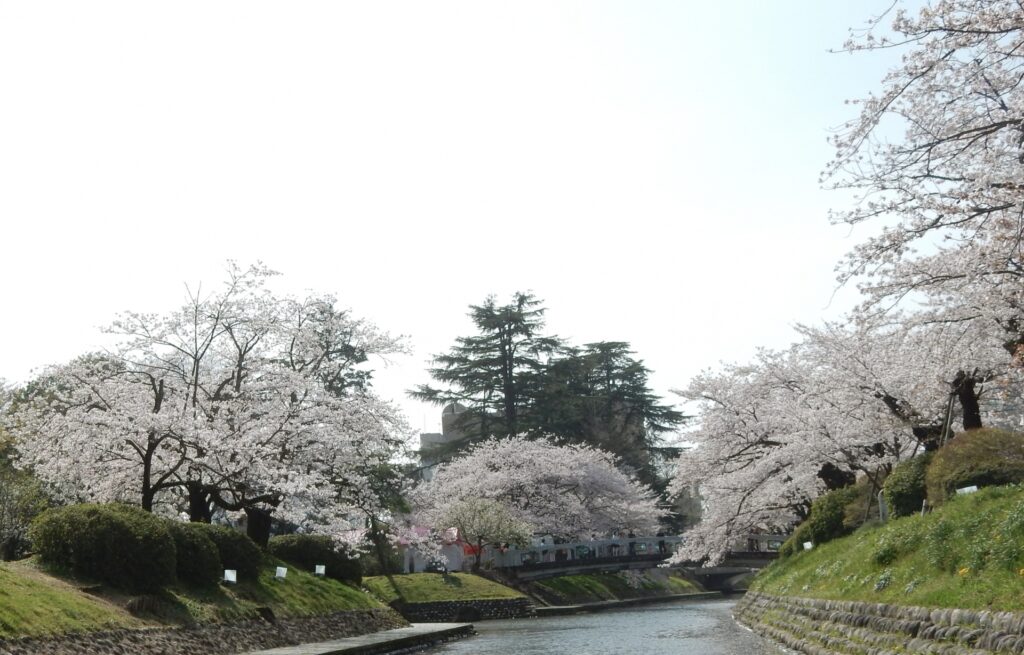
{"x": 198, "y": 558}
{"x": 904, "y": 489}
{"x": 982, "y": 457}
{"x": 308, "y": 550}
{"x": 237, "y": 551}
{"x": 123, "y": 546}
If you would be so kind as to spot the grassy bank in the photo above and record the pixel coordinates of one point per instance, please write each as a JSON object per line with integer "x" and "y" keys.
{"x": 33, "y": 604}
{"x": 969, "y": 553}
{"x": 597, "y": 587}
{"x": 430, "y": 587}
{"x": 299, "y": 594}
{"x": 36, "y": 602}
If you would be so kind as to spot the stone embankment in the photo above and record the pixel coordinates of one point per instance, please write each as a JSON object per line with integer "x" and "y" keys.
{"x": 465, "y": 610}
{"x": 226, "y": 639}
{"x": 832, "y": 627}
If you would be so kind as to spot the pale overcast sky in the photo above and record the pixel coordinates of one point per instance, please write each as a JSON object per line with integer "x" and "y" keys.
{"x": 649, "y": 169}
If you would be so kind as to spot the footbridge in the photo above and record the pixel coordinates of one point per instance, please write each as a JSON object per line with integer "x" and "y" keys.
{"x": 548, "y": 560}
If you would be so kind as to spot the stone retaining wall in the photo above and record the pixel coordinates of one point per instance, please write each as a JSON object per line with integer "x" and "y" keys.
{"x": 226, "y": 639}
{"x": 832, "y": 627}
{"x": 465, "y": 610}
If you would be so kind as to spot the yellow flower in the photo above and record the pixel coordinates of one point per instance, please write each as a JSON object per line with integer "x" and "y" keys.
{"x": 966, "y": 570}
{"x": 1021, "y": 573}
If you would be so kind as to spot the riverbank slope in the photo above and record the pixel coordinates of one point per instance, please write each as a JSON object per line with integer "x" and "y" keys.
{"x": 41, "y": 612}
{"x": 468, "y": 597}
{"x": 952, "y": 579}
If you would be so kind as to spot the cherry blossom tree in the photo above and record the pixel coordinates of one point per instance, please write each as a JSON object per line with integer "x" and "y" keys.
{"x": 848, "y": 400}
{"x": 568, "y": 491}
{"x": 240, "y": 400}
{"x": 936, "y": 157}
{"x": 486, "y": 522}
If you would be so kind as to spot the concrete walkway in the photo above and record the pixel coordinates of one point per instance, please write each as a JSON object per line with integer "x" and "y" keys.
{"x": 379, "y": 642}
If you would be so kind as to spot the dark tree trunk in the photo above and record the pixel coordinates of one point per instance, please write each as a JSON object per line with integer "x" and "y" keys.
{"x": 8, "y": 549}
{"x": 257, "y": 525}
{"x": 378, "y": 539}
{"x": 963, "y": 386}
{"x": 929, "y": 436}
{"x": 834, "y": 477}
{"x": 479, "y": 554}
{"x": 199, "y": 508}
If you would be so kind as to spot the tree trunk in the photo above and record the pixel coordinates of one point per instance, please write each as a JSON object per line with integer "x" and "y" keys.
{"x": 378, "y": 545}
{"x": 479, "y": 553}
{"x": 199, "y": 510}
{"x": 834, "y": 477}
{"x": 929, "y": 436}
{"x": 963, "y": 385}
{"x": 257, "y": 525}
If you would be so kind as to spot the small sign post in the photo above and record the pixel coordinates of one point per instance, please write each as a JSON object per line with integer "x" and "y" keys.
{"x": 230, "y": 576}
{"x": 808, "y": 545}
{"x": 321, "y": 570}
{"x": 281, "y": 573}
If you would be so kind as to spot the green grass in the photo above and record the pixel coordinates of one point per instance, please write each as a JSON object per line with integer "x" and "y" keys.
{"x": 429, "y": 587}
{"x": 596, "y": 587}
{"x": 299, "y": 594}
{"x": 33, "y": 604}
{"x": 969, "y": 553}
{"x": 37, "y": 601}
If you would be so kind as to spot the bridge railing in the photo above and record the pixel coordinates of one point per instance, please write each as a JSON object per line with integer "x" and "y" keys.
{"x": 597, "y": 551}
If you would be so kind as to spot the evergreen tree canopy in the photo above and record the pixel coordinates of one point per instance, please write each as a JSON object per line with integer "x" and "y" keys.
{"x": 513, "y": 380}
{"x": 494, "y": 373}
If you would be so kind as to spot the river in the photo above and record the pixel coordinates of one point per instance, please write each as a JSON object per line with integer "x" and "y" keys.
{"x": 698, "y": 628}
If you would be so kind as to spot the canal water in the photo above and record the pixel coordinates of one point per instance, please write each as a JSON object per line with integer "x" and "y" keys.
{"x": 698, "y": 628}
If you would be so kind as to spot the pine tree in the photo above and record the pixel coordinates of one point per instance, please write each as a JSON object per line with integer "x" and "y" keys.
{"x": 493, "y": 374}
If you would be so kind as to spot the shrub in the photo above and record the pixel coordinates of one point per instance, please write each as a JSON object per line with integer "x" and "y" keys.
{"x": 369, "y": 562}
{"x": 795, "y": 543}
{"x": 980, "y": 457}
{"x": 198, "y": 559}
{"x": 307, "y": 550}
{"x": 861, "y": 504}
{"x": 904, "y": 489}
{"x": 828, "y": 515}
{"x": 123, "y": 546}
{"x": 827, "y": 520}
{"x": 236, "y": 550}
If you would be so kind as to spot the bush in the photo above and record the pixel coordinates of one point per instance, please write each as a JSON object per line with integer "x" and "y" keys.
{"x": 236, "y": 550}
{"x": 861, "y": 504}
{"x": 982, "y": 457}
{"x": 369, "y": 562}
{"x": 306, "y": 551}
{"x": 904, "y": 489}
{"x": 827, "y": 520}
{"x": 828, "y": 515}
{"x": 795, "y": 543}
{"x": 123, "y": 546}
{"x": 198, "y": 559}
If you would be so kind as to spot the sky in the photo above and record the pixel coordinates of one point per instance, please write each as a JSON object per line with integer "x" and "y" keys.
{"x": 649, "y": 169}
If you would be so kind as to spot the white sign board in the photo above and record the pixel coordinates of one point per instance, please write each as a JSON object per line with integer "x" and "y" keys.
{"x": 281, "y": 573}
{"x": 808, "y": 545}
{"x": 321, "y": 569}
{"x": 967, "y": 490}
{"x": 230, "y": 575}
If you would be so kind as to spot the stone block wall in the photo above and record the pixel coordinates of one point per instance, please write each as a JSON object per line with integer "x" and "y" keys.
{"x": 465, "y": 610}
{"x": 830, "y": 627}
